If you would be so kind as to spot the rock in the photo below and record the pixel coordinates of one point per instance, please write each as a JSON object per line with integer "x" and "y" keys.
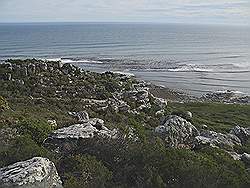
{"x": 37, "y": 172}
{"x": 52, "y": 123}
{"x": 68, "y": 68}
{"x": 160, "y": 113}
{"x": 235, "y": 155}
{"x": 201, "y": 142}
{"x": 144, "y": 106}
{"x": 6, "y": 76}
{"x": 214, "y": 139}
{"x": 242, "y": 133}
{"x": 79, "y": 135}
{"x": 177, "y": 131}
{"x": 141, "y": 96}
{"x": 97, "y": 123}
{"x": 245, "y": 157}
{"x": 81, "y": 131}
{"x": 21, "y": 82}
{"x": 82, "y": 116}
{"x": 227, "y": 96}
{"x": 162, "y": 103}
{"x": 124, "y": 107}
{"x": 31, "y": 69}
{"x": 43, "y": 66}
{"x": 189, "y": 115}
{"x": 118, "y": 105}
{"x": 204, "y": 126}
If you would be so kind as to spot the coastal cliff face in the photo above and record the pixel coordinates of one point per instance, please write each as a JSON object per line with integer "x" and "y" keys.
{"x": 112, "y": 130}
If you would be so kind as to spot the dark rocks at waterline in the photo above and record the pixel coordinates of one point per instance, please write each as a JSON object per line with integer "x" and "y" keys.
{"x": 227, "y": 96}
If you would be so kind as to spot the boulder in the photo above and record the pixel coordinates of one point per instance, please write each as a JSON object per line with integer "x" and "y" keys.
{"x": 82, "y": 135}
{"x": 37, "y": 172}
{"x": 82, "y": 131}
{"x": 189, "y": 115}
{"x": 242, "y": 133}
{"x": 177, "y": 132}
{"x": 214, "y": 139}
{"x": 245, "y": 157}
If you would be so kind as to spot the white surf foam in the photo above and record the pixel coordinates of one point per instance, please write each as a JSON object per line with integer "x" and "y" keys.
{"x": 190, "y": 68}
{"x": 68, "y": 60}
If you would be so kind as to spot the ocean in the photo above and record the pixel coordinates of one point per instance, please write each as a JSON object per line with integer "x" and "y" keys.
{"x": 195, "y": 59}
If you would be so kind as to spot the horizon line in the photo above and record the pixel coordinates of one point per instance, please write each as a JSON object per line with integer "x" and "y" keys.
{"x": 120, "y": 22}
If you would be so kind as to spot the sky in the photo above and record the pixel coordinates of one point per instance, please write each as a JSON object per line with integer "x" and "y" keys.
{"x": 231, "y": 12}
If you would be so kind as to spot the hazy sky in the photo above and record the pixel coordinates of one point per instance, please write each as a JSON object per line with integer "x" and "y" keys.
{"x": 180, "y": 11}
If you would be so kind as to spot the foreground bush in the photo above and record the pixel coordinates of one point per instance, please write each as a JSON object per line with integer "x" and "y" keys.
{"x": 83, "y": 171}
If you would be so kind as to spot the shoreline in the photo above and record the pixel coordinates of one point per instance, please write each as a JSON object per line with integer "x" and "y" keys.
{"x": 191, "y": 79}
{"x": 162, "y": 91}
{"x": 59, "y": 111}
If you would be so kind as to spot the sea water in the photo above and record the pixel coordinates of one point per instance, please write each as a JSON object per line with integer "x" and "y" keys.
{"x": 192, "y": 58}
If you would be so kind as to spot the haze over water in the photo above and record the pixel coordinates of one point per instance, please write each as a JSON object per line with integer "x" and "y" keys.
{"x": 192, "y": 58}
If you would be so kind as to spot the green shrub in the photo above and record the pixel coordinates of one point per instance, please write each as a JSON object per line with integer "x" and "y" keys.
{"x": 37, "y": 129}
{"x": 22, "y": 148}
{"x": 83, "y": 171}
{"x": 3, "y": 104}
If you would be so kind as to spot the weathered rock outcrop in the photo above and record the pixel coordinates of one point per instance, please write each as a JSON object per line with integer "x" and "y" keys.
{"x": 242, "y": 133}
{"x": 214, "y": 139}
{"x": 66, "y": 139}
{"x": 34, "y": 173}
{"x": 177, "y": 132}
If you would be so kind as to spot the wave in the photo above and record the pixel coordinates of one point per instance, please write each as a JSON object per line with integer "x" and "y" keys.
{"x": 230, "y": 91}
{"x": 124, "y": 73}
{"x": 68, "y": 60}
{"x": 190, "y": 68}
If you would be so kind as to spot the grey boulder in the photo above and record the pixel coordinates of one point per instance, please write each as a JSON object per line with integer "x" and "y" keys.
{"x": 214, "y": 139}
{"x": 37, "y": 172}
{"x": 86, "y": 134}
{"x": 177, "y": 132}
{"x": 242, "y": 133}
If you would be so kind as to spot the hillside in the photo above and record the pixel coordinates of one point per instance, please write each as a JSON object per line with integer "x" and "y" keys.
{"x": 112, "y": 130}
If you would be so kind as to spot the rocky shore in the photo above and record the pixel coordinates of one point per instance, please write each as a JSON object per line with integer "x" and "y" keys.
{"x": 58, "y": 112}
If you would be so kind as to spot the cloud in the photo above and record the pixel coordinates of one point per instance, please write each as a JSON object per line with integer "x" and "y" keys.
{"x": 196, "y": 11}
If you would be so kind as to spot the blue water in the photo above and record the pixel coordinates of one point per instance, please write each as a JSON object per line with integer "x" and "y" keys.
{"x": 192, "y": 58}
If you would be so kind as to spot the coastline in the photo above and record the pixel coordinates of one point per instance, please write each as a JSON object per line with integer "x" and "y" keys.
{"x": 65, "y": 116}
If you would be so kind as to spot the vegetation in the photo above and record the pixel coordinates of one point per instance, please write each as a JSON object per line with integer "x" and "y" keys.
{"x": 217, "y": 116}
{"x": 144, "y": 162}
